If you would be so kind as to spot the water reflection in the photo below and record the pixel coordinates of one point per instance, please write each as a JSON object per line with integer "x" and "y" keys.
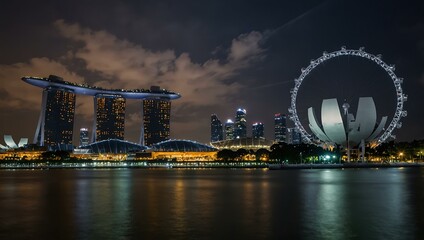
{"x": 356, "y": 204}
{"x": 97, "y": 198}
{"x": 211, "y": 204}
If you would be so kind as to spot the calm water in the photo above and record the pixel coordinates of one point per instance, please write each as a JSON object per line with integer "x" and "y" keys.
{"x": 212, "y": 204}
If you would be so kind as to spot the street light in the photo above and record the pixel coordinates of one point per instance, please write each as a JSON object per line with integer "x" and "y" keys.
{"x": 400, "y": 155}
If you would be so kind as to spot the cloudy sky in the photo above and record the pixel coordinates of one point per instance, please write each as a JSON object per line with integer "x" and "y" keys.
{"x": 220, "y": 55}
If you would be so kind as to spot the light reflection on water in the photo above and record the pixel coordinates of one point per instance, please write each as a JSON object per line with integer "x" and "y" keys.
{"x": 212, "y": 204}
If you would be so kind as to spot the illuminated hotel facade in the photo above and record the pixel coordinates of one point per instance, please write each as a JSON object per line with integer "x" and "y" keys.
{"x": 56, "y": 122}
{"x": 110, "y": 117}
{"x": 55, "y": 125}
{"x": 156, "y": 121}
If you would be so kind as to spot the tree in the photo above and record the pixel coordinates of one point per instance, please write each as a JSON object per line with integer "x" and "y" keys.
{"x": 226, "y": 154}
{"x": 241, "y": 153}
{"x": 262, "y": 154}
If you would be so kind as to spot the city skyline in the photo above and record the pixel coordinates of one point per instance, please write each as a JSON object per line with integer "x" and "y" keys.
{"x": 216, "y": 55}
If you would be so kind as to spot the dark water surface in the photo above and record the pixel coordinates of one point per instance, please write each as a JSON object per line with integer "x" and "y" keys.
{"x": 212, "y": 204}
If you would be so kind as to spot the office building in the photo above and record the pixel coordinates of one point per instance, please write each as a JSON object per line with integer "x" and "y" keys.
{"x": 240, "y": 129}
{"x": 258, "y": 130}
{"x": 293, "y": 136}
{"x": 280, "y": 129}
{"x": 229, "y": 130}
{"x": 84, "y": 140}
{"x": 216, "y": 129}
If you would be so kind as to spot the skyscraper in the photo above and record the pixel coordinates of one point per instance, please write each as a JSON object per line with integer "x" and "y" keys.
{"x": 280, "y": 129}
{"x": 258, "y": 130}
{"x": 56, "y": 123}
{"x": 156, "y": 121}
{"x": 229, "y": 130}
{"x": 240, "y": 124}
{"x": 84, "y": 140}
{"x": 216, "y": 129}
{"x": 293, "y": 136}
{"x": 110, "y": 117}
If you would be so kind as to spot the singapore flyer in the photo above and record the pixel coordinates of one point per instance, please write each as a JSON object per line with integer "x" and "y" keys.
{"x": 401, "y": 98}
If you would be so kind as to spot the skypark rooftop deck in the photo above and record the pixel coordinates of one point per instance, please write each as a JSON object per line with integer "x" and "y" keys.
{"x": 54, "y": 81}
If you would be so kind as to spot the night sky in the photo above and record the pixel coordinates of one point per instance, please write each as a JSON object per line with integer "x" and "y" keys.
{"x": 220, "y": 55}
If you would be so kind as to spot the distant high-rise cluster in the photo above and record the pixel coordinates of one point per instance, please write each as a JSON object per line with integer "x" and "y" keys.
{"x": 56, "y": 122}
{"x": 230, "y": 129}
{"x": 237, "y": 129}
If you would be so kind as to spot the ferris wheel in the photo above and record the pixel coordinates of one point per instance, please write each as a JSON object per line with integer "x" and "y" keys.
{"x": 389, "y": 69}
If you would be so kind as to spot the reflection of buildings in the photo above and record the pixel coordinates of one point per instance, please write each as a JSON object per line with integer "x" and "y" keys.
{"x": 258, "y": 130}
{"x": 280, "y": 127}
{"x": 55, "y": 125}
{"x": 216, "y": 129}
{"x": 156, "y": 119}
{"x": 110, "y": 117}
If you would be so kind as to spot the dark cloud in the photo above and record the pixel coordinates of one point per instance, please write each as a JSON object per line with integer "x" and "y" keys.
{"x": 220, "y": 55}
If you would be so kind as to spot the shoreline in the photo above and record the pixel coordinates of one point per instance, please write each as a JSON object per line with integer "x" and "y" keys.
{"x": 344, "y": 165}
{"x": 203, "y": 165}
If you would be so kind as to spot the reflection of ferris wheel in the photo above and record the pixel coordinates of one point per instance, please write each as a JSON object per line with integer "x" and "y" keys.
{"x": 400, "y": 96}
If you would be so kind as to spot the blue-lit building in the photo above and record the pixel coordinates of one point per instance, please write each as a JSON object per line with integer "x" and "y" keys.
{"x": 280, "y": 129}
{"x": 258, "y": 130}
{"x": 216, "y": 129}
{"x": 240, "y": 128}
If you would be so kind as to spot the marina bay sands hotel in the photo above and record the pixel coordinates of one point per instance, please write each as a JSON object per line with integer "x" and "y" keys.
{"x": 56, "y": 122}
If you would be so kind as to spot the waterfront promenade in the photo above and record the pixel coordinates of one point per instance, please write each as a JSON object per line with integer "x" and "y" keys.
{"x": 196, "y": 164}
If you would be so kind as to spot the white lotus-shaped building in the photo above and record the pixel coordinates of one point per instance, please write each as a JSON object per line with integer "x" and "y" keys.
{"x": 346, "y": 130}
{"x": 10, "y": 143}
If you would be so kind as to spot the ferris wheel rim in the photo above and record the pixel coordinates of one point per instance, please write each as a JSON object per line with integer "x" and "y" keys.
{"x": 389, "y": 69}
